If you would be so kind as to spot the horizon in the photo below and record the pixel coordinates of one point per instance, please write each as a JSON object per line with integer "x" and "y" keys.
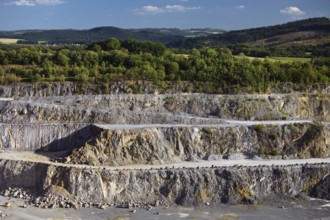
{"x": 180, "y": 14}
{"x": 201, "y": 28}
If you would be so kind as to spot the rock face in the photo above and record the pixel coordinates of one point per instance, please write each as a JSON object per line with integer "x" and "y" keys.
{"x": 96, "y": 145}
{"x": 24, "y": 112}
{"x": 139, "y": 109}
{"x": 195, "y": 187}
{"x": 29, "y": 137}
{"x": 90, "y": 133}
{"x": 169, "y": 186}
{"x": 168, "y": 145}
{"x": 322, "y": 189}
{"x": 145, "y": 87}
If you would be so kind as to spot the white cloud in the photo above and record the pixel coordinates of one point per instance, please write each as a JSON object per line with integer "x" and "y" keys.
{"x": 18, "y": 2}
{"x": 149, "y": 9}
{"x": 292, "y": 10}
{"x": 49, "y": 2}
{"x": 240, "y": 7}
{"x": 174, "y": 8}
{"x": 30, "y": 2}
{"x": 179, "y": 8}
{"x": 24, "y": 3}
{"x": 153, "y": 10}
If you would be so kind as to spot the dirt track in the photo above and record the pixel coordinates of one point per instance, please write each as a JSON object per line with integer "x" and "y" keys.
{"x": 37, "y": 158}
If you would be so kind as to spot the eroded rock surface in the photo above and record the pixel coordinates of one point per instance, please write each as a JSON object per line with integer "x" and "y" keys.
{"x": 233, "y": 185}
{"x": 115, "y": 147}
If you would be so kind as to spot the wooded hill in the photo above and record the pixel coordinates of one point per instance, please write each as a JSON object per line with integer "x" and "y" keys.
{"x": 317, "y": 27}
{"x": 71, "y": 36}
{"x": 298, "y": 38}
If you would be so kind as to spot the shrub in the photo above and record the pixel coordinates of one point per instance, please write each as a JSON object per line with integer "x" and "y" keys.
{"x": 208, "y": 131}
{"x": 82, "y": 78}
{"x": 273, "y": 137}
{"x": 136, "y": 89}
{"x": 276, "y": 152}
{"x": 259, "y": 128}
{"x": 261, "y": 150}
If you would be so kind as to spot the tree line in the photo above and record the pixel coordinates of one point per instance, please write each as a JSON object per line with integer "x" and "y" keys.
{"x": 113, "y": 59}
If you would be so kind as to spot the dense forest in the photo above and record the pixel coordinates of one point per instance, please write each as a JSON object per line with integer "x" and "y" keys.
{"x": 302, "y": 50}
{"x": 112, "y": 60}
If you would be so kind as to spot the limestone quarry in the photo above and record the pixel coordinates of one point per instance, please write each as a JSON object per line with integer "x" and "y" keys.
{"x": 162, "y": 149}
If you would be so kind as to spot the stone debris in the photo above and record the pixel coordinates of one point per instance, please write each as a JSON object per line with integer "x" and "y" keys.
{"x": 17, "y": 193}
{"x": 52, "y": 202}
{"x": 103, "y": 206}
{"x": 2, "y": 215}
{"x": 48, "y": 201}
{"x": 141, "y": 205}
{"x": 7, "y": 205}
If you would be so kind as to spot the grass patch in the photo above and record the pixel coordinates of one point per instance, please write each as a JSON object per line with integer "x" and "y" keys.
{"x": 291, "y": 59}
{"x": 278, "y": 59}
{"x": 248, "y": 57}
{"x": 8, "y": 41}
{"x": 228, "y": 216}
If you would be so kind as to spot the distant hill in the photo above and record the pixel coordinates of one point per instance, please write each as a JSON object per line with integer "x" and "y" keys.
{"x": 310, "y": 31}
{"x": 187, "y": 33}
{"x": 303, "y": 38}
{"x": 71, "y": 36}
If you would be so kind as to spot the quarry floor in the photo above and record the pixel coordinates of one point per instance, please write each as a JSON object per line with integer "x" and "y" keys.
{"x": 286, "y": 210}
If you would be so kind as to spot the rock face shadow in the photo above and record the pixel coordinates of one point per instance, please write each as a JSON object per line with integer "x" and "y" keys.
{"x": 75, "y": 140}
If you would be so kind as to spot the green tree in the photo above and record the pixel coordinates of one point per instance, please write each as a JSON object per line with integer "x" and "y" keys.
{"x": 111, "y": 44}
{"x": 61, "y": 59}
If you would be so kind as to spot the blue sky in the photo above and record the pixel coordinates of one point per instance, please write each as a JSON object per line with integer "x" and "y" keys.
{"x": 225, "y": 14}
